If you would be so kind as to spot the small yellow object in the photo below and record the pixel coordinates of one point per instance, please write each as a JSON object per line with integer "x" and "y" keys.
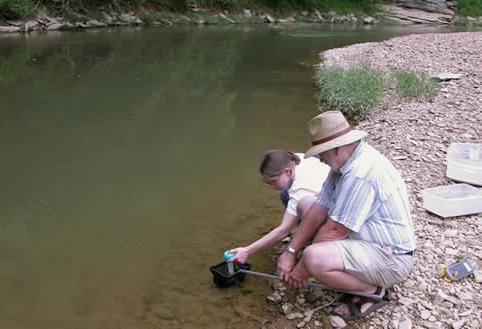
{"x": 442, "y": 272}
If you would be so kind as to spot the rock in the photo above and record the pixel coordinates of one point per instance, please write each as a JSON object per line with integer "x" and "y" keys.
{"x": 300, "y": 300}
{"x": 15, "y": 23}
{"x": 107, "y": 18}
{"x": 287, "y": 308}
{"x": 448, "y": 76}
{"x": 227, "y": 19}
{"x": 55, "y": 26}
{"x": 443, "y": 296}
{"x": 318, "y": 323}
{"x": 405, "y": 324}
{"x": 9, "y": 29}
{"x": 478, "y": 276}
{"x": 269, "y": 19}
{"x": 451, "y": 233}
{"x": 406, "y": 301}
{"x": 459, "y": 324}
{"x": 468, "y": 312}
{"x": 294, "y": 315}
{"x": 127, "y": 18}
{"x": 30, "y": 26}
{"x": 368, "y": 20}
{"x": 465, "y": 295}
{"x": 308, "y": 315}
{"x": 425, "y": 314}
{"x": 95, "y": 23}
{"x": 337, "y": 322}
{"x": 278, "y": 286}
{"x": 247, "y": 13}
{"x": 301, "y": 324}
{"x": 275, "y": 297}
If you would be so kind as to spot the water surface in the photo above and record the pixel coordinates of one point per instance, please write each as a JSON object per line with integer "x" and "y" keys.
{"x": 130, "y": 163}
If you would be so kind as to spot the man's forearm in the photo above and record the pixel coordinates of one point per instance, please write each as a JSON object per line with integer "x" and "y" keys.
{"x": 313, "y": 220}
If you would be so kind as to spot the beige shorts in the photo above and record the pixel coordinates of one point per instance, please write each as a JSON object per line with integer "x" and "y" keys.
{"x": 373, "y": 264}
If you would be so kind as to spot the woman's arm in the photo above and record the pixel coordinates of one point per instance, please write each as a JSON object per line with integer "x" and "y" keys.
{"x": 288, "y": 222}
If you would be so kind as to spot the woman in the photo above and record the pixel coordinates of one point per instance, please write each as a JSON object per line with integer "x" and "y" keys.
{"x": 298, "y": 180}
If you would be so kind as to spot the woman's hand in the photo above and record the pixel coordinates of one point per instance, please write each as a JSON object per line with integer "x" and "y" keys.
{"x": 241, "y": 255}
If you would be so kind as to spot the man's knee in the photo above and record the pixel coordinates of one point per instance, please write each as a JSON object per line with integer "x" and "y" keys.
{"x": 322, "y": 257}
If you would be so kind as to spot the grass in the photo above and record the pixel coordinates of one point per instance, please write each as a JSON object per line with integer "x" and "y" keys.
{"x": 353, "y": 91}
{"x": 356, "y": 91}
{"x": 415, "y": 85}
{"x": 471, "y": 8}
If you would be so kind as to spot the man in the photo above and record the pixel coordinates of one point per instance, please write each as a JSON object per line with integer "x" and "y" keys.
{"x": 363, "y": 238}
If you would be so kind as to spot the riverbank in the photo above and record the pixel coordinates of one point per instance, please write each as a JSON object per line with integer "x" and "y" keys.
{"x": 44, "y": 19}
{"x": 415, "y": 136}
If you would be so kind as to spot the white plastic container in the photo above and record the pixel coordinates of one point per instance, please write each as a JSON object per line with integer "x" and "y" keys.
{"x": 453, "y": 200}
{"x": 464, "y": 163}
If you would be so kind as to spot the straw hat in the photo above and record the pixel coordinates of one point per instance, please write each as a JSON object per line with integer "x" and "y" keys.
{"x": 329, "y": 130}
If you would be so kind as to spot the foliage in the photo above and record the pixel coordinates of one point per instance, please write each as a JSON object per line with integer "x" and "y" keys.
{"x": 15, "y": 8}
{"x": 415, "y": 85}
{"x": 469, "y": 8}
{"x": 353, "y": 91}
{"x": 22, "y": 8}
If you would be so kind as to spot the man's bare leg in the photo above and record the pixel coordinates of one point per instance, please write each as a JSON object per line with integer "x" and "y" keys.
{"x": 323, "y": 261}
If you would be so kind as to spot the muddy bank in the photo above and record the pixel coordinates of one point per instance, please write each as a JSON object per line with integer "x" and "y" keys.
{"x": 415, "y": 136}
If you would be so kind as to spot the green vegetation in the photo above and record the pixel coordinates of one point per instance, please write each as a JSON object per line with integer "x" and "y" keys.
{"x": 15, "y": 8}
{"x": 469, "y": 8}
{"x": 353, "y": 91}
{"x": 356, "y": 91}
{"x": 415, "y": 85}
{"x": 22, "y": 8}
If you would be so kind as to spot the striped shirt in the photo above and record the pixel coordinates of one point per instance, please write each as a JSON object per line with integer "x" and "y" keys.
{"x": 369, "y": 197}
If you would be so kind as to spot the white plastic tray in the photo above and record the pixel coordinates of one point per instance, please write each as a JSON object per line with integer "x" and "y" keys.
{"x": 453, "y": 200}
{"x": 464, "y": 163}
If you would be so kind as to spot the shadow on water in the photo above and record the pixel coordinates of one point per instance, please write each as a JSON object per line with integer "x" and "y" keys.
{"x": 130, "y": 164}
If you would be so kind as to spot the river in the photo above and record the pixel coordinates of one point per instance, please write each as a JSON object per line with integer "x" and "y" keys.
{"x": 129, "y": 165}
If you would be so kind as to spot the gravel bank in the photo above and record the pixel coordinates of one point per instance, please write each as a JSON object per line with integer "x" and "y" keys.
{"x": 415, "y": 136}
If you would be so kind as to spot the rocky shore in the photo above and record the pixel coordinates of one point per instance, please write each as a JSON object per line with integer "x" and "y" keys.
{"x": 43, "y": 21}
{"x": 415, "y": 136}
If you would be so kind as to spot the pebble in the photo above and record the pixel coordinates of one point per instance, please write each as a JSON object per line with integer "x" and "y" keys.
{"x": 287, "y": 308}
{"x": 275, "y": 297}
{"x": 294, "y": 315}
{"x": 425, "y": 314}
{"x": 478, "y": 276}
{"x": 337, "y": 322}
{"x": 405, "y": 324}
{"x": 459, "y": 324}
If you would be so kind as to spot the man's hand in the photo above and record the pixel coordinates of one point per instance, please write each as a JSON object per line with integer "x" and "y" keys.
{"x": 298, "y": 277}
{"x": 241, "y": 255}
{"x": 286, "y": 263}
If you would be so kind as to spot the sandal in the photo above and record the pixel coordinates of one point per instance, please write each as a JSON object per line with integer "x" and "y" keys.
{"x": 355, "y": 307}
